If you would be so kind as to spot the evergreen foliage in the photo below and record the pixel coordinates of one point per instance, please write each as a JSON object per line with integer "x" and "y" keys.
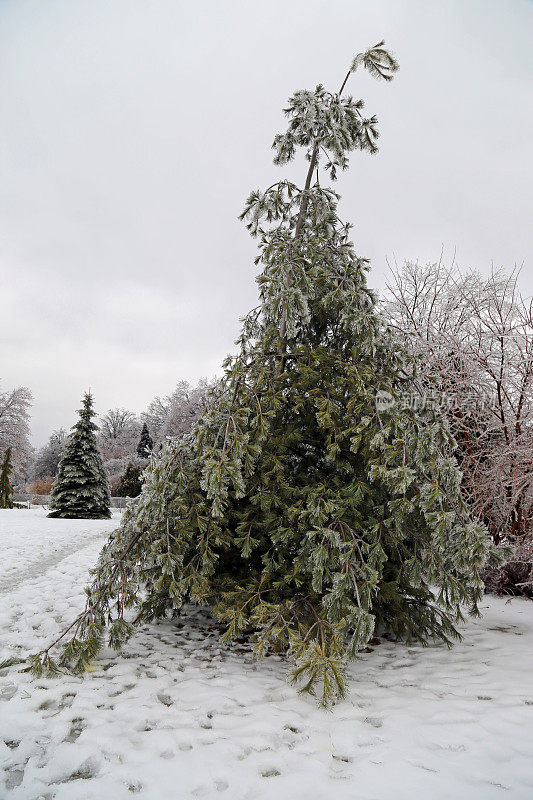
{"x": 6, "y": 486}
{"x": 145, "y": 446}
{"x": 130, "y": 484}
{"x": 301, "y": 510}
{"x": 81, "y": 489}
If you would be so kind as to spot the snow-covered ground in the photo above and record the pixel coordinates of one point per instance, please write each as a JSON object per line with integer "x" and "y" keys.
{"x": 177, "y": 716}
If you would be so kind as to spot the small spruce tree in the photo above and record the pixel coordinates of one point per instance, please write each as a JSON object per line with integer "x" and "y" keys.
{"x": 130, "y": 483}
{"x": 81, "y": 488}
{"x": 6, "y": 486}
{"x": 145, "y": 446}
{"x": 303, "y": 511}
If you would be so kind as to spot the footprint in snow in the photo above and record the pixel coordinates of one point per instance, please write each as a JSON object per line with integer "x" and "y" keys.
{"x": 89, "y": 769}
{"x": 244, "y": 753}
{"x": 12, "y": 743}
{"x": 67, "y": 700}
{"x": 291, "y": 728}
{"x": 271, "y": 772}
{"x": 14, "y": 778}
{"x": 376, "y": 722}
{"x": 47, "y": 705}
{"x": 78, "y": 725}
{"x": 8, "y": 691}
{"x": 345, "y": 759}
{"x": 165, "y": 699}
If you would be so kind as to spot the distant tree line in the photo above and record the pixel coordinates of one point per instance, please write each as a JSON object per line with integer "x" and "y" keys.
{"x": 126, "y": 440}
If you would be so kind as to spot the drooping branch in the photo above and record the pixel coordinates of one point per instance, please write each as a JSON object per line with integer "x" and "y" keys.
{"x": 381, "y": 64}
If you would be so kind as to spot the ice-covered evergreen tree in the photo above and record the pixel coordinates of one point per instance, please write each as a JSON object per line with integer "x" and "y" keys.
{"x": 144, "y": 448}
{"x": 81, "y": 489}
{"x": 303, "y": 511}
{"x": 6, "y": 486}
{"x": 130, "y": 483}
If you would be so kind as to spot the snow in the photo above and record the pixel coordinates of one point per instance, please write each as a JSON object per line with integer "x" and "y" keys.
{"x": 178, "y": 716}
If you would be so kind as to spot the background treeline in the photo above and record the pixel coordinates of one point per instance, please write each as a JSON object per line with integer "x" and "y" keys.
{"x": 120, "y": 437}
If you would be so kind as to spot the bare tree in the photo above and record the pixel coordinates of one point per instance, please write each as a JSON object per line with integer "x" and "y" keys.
{"x": 175, "y": 415}
{"x": 476, "y": 334}
{"x": 166, "y": 417}
{"x": 15, "y": 429}
{"x": 118, "y": 434}
{"x": 47, "y": 458}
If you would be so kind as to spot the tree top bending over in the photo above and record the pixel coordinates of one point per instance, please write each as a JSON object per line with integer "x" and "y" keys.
{"x": 297, "y": 508}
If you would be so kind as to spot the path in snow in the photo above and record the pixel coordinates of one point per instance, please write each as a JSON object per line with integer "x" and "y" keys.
{"x": 177, "y": 716}
{"x": 25, "y": 555}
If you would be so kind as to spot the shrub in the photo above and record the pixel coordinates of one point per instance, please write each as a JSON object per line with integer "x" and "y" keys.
{"x": 41, "y": 486}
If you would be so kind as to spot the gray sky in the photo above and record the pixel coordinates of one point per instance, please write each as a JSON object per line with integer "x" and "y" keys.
{"x": 132, "y": 131}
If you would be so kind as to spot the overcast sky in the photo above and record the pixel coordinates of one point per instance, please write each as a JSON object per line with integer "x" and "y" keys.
{"x": 132, "y": 131}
